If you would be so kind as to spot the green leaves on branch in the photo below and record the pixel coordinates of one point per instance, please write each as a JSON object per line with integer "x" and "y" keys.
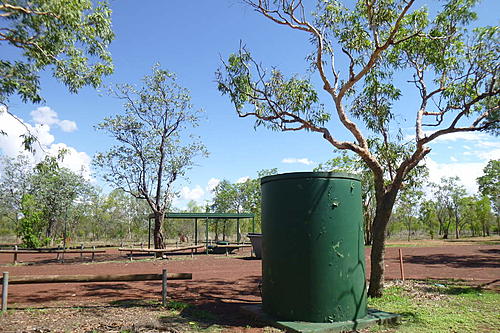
{"x": 374, "y": 104}
{"x": 277, "y": 102}
{"x": 32, "y": 225}
{"x": 70, "y": 37}
{"x": 489, "y": 184}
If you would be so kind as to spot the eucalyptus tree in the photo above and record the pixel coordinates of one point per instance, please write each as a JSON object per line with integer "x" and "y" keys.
{"x": 68, "y": 37}
{"x": 449, "y": 195}
{"x": 154, "y": 144}
{"x": 407, "y": 209}
{"x": 453, "y": 70}
{"x": 428, "y": 217}
{"x": 15, "y": 176}
{"x": 483, "y": 214}
{"x": 241, "y": 197}
{"x": 489, "y": 185}
{"x": 55, "y": 191}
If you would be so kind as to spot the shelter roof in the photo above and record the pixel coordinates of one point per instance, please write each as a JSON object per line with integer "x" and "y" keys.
{"x": 207, "y": 215}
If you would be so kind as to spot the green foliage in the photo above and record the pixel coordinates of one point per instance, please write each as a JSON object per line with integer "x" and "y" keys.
{"x": 240, "y": 197}
{"x": 291, "y": 97}
{"x": 15, "y": 177}
{"x": 70, "y": 37}
{"x": 489, "y": 184}
{"x": 428, "y": 218}
{"x": 56, "y": 190}
{"x": 32, "y": 224}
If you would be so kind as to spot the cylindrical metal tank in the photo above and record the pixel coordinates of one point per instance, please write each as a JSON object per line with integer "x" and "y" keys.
{"x": 313, "y": 264}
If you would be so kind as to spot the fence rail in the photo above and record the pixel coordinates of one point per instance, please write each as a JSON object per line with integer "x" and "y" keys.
{"x": 16, "y": 252}
{"x": 31, "y": 279}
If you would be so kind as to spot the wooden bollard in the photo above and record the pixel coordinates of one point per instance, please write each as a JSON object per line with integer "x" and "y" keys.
{"x": 15, "y": 254}
{"x": 164, "y": 287}
{"x": 93, "y": 253}
{"x": 5, "y": 288}
{"x": 401, "y": 268}
{"x": 81, "y": 254}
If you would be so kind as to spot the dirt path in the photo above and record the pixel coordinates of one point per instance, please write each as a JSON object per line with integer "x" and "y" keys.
{"x": 221, "y": 284}
{"x": 231, "y": 279}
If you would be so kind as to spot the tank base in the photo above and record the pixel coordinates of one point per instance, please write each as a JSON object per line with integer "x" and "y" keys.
{"x": 373, "y": 317}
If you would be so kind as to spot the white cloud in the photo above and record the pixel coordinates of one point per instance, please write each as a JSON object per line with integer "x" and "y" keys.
{"x": 12, "y": 144}
{"x": 192, "y": 194}
{"x": 44, "y": 115}
{"x": 242, "y": 180}
{"x": 453, "y": 159}
{"x": 467, "y": 147}
{"x": 489, "y": 155}
{"x": 212, "y": 184}
{"x": 484, "y": 143}
{"x": 292, "y": 160}
{"x": 452, "y": 137}
{"x": 467, "y": 172}
{"x": 484, "y": 154}
{"x": 467, "y": 136}
{"x": 67, "y": 126}
{"x": 78, "y": 162}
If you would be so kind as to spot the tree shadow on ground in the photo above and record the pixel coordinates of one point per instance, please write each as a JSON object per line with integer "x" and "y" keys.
{"x": 218, "y": 301}
{"x": 493, "y": 251}
{"x": 467, "y": 261}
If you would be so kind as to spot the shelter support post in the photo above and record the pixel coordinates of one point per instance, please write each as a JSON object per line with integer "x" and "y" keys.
{"x": 238, "y": 235}
{"x": 253, "y": 224}
{"x": 206, "y": 235}
{"x": 149, "y": 233}
{"x": 195, "y": 231}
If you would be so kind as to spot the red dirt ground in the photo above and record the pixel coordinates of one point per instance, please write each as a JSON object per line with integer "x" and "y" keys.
{"x": 222, "y": 283}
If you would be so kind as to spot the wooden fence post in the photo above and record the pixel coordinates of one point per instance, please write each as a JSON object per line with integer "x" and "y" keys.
{"x": 93, "y": 253}
{"x": 81, "y": 248}
{"x": 401, "y": 267}
{"x": 15, "y": 254}
{"x": 5, "y": 290}
{"x": 164, "y": 287}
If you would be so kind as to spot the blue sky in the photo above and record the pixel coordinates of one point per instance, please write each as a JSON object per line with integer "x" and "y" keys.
{"x": 188, "y": 38}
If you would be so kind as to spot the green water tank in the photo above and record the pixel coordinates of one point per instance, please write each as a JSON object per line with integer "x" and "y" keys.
{"x": 313, "y": 263}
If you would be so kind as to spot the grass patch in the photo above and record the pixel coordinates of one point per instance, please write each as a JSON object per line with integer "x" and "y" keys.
{"x": 127, "y": 303}
{"x": 437, "y": 308}
{"x": 176, "y": 305}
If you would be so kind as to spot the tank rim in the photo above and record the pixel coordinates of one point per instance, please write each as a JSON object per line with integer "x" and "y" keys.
{"x": 302, "y": 175}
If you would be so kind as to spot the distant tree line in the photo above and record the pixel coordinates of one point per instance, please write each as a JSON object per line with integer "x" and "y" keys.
{"x": 48, "y": 205}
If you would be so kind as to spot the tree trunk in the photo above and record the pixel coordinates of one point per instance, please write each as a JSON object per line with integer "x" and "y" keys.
{"x": 158, "y": 231}
{"x": 498, "y": 224}
{"x": 382, "y": 215}
{"x": 50, "y": 227}
{"x": 409, "y": 229}
{"x": 368, "y": 229}
{"x": 216, "y": 230}
{"x": 224, "y": 231}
